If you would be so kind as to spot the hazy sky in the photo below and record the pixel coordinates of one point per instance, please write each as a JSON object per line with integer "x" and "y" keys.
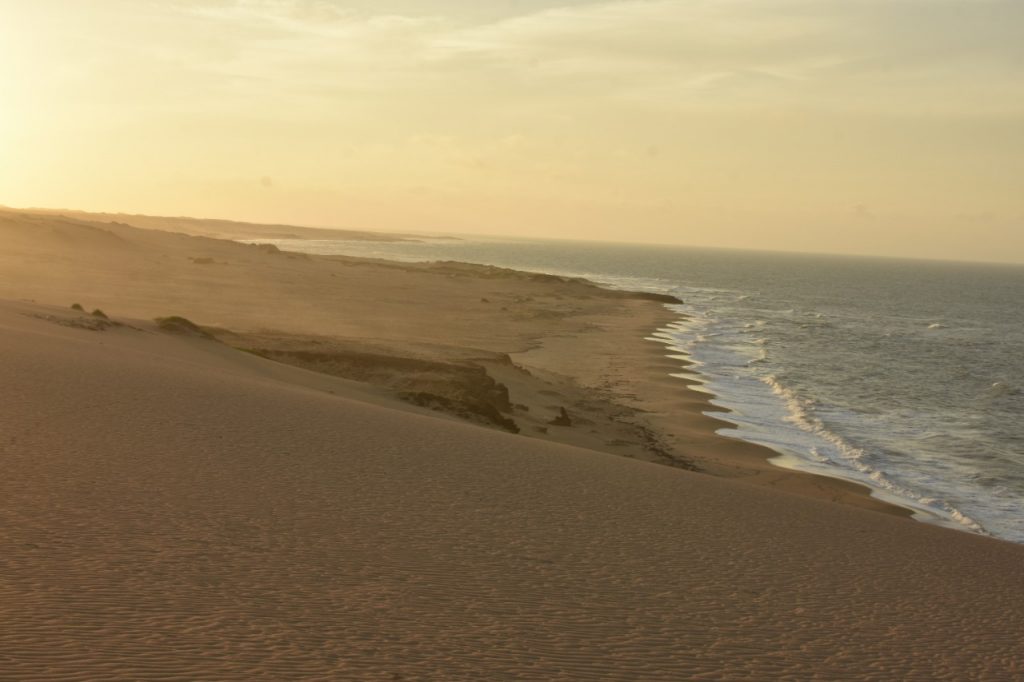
{"x": 893, "y": 127}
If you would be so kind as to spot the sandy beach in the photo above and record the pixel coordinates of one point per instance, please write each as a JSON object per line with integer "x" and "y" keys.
{"x": 555, "y": 343}
{"x": 356, "y": 469}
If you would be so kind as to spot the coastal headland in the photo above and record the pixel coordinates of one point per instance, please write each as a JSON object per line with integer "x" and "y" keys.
{"x": 230, "y": 461}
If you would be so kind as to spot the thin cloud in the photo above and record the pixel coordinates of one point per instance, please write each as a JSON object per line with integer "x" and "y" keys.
{"x": 876, "y": 55}
{"x": 682, "y": 47}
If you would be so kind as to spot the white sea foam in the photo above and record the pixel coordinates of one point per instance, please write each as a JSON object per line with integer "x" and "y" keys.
{"x": 716, "y": 352}
{"x": 801, "y": 415}
{"x": 999, "y": 389}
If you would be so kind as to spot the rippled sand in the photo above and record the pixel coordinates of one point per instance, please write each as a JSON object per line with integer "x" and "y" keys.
{"x": 174, "y": 509}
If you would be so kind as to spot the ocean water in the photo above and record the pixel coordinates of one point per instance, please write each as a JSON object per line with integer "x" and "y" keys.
{"x": 907, "y": 376}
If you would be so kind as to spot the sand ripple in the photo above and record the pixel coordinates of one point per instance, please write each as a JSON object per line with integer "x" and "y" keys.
{"x": 170, "y": 511}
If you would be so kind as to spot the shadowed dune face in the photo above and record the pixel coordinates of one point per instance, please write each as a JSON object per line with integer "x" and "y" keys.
{"x": 174, "y": 508}
{"x": 465, "y": 390}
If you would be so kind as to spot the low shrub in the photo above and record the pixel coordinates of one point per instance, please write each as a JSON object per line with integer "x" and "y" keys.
{"x": 180, "y": 325}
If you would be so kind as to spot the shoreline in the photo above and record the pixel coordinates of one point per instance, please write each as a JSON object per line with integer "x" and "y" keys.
{"x": 176, "y": 507}
{"x": 791, "y": 479}
{"x": 676, "y": 410}
{"x": 657, "y": 437}
{"x": 390, "y": 325}
{"x": 720, "y": 455}
{"x": 845, "y": 489}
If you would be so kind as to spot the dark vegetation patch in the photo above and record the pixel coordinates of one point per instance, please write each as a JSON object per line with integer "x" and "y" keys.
{"x": 654, "y": 444}
{"x": 464, "y": 390}
{"x": 183, "y": 326}
{"x": 651, "y": 296}
{"x": 92, "y": 324}
{"x": 475, "y": 411}
{"x": 563, "y": 418}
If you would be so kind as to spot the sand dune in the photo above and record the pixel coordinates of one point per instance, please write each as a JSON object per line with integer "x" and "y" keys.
{"x": 572, "y": 345}
{"x": 176, "y": 509}
{"x": 324, "y": 312}
{"x": 220, "y": 229}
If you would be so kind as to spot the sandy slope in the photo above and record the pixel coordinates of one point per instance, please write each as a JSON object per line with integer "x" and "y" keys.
{"x": 175, "y": 509}
{"x": 575, "y": 346}
{"x": 172, "y": 508}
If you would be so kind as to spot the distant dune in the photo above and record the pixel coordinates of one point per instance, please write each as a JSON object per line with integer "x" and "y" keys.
{"x": 221, "y": 229}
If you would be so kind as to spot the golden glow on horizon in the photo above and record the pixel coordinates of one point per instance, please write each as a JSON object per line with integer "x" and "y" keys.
{"x": 893, "y": 127}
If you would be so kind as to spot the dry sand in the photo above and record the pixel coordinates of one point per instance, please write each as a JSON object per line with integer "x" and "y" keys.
{"x": 570, "y": 344}
{"x": 176, "y": 509}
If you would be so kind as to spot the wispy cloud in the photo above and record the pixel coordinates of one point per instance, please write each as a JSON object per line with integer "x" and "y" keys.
{"x": 878, "y": 55}
{"x": 672, "y": 52}
{"x": 525, "y": 108}
{"x": 689, "y": 46}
